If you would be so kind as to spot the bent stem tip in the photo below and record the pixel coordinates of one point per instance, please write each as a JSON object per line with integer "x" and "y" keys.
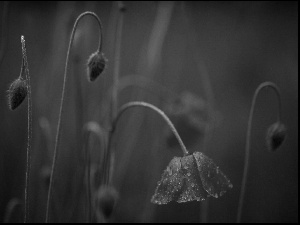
{"x": 248, "y": 138}
{"x": 57, "y": 139}
{"x": 120, "y": 113}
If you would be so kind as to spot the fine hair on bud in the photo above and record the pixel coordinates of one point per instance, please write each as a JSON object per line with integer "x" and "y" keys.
{"x": 17, "y": 92}
{"x": 276, "y": 135}
{"x": 107, "y": 197}
{"x": 96, "y": 65}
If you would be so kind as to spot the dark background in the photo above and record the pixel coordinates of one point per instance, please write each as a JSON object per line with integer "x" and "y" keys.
{"x": 237, "y": 44}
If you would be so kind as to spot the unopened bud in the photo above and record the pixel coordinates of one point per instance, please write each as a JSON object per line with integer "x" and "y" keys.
{"x": 17, "y": 93}
{"x": 107, "y": 197}
{"x": 96, "y": 65}
{"x": 275, "y": 136}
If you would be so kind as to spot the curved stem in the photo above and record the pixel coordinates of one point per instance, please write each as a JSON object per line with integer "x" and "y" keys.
{"x": 248, "y": 138}
{"x": 29, "y": 139}
{"x": 62, "y": 101}
{"x": 136, "y": 80}
{"x": 146, "y": 105}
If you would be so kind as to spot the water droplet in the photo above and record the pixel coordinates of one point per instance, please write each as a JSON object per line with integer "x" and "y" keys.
{"x": 193, "y": 185}
{"x": 189, "y": 174}
{"x": 169, "y": 171}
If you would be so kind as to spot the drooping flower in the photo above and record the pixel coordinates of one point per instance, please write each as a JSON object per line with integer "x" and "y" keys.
{"x": 189, "y": 178}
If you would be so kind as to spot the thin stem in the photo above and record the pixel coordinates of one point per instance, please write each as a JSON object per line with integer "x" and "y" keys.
{"x": 117, "y": 54}
{"x": 146, "y": 105}
{"x": 116, "y": 72}
{"x": 89, "y": 185}
{"x": 57, "y": 139}
{"x": 4, "y": 31}
{"x": 29, "y": 139}
{"x": 248, "y": 138}
{"x": 89, "y": 128}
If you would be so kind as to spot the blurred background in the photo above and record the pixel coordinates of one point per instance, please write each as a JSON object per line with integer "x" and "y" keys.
{"x": 218, "y": 51}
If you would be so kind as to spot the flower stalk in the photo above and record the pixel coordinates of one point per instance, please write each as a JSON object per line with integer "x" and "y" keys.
{"x": 29, "y": 139}
{"x": 124, "y": 108}
{"x": 248, "y": 139}
{"x": 58, "y": 133}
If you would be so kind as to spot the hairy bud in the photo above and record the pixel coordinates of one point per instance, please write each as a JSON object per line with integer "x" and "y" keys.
{"x": 17, "y": 93}
{"x": 275, "y": 136}
{"x": 96, "y": 65}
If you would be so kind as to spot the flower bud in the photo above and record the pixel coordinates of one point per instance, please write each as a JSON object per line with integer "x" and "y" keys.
{"x": 107, "y": 197}
{"x": 17, "y": 93}
{"x": 96, "y": 65}
{"x": 275, "y": 136}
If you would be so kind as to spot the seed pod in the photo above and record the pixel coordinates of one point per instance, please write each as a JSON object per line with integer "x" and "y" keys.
{"x": 275, "y": 136}
{"x": 96, "y": 65}
{"x": 107, "y": 197}
{"x": 16, "y": 93}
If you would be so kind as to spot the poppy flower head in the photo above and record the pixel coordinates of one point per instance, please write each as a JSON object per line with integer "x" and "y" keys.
{"x": 214, "y": 181}
{"x": 189, "y": 178}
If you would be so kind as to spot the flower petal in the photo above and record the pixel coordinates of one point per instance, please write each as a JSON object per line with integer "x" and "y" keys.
{"x": 214, "y": 181}
{"x": 170, "y": 185}
{"x": 192, "y": 187}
